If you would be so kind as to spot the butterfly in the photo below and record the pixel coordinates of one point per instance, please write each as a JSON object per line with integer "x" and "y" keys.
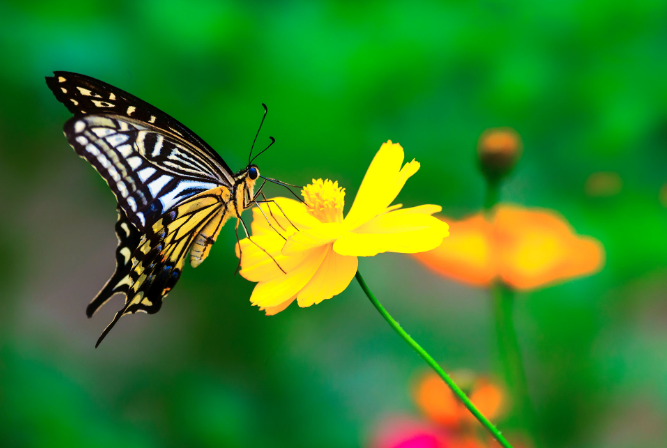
{"x": 174, "y": 191}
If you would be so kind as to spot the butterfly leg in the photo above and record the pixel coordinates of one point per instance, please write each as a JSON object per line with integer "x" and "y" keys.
{"x": 269, "y": 222}
{"x": 238, "y": 244}
{"x": 269, "y": 201}
{"x": 245, "y": 229}
{"x": 271, "y": 213}
{"x": 257, "y": 193}
{"x": 253, "y": 201}
{"x": 253, "y": 242}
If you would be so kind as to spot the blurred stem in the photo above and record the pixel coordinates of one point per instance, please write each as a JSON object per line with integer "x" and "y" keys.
{"x": 508, "y": 343}
{"x": 434, "y": 365}
{"x": 510, "y": 355}
{"x": 491, "y": 197}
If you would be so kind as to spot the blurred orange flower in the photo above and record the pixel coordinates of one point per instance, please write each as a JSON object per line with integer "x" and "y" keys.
{"x": 524, "y": 248}
{"x": 440, "y": 405}
{"x": 448, "y": 423}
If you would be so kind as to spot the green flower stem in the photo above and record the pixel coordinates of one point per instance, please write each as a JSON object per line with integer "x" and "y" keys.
{"x": 510, "y": 354}
{"x": 491, "y": 196}
{"x": 508, "y": 343}
{"x": 434, "y": 365}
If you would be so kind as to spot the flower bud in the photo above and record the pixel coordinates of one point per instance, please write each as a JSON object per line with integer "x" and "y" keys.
{"x": 498, "y": 150}
{"x": 603, "y": 184}
{"x": 663, "y": 195}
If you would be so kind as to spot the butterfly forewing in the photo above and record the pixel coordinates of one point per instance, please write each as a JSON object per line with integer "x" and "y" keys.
{"x": 148, "y": 171}
{"x": 85, "y": 95}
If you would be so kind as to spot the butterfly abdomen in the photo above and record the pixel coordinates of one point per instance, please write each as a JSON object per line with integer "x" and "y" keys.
{"x": 209, "y": 234}
{"x": 204, "y": 241}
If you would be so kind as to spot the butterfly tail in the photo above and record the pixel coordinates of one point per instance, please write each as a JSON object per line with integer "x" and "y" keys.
{"x": 106, "y": 331}
{"x": 128, "y": 240}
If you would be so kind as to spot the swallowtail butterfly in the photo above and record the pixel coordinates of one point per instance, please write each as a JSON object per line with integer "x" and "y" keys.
{"x": 174, "y": 191}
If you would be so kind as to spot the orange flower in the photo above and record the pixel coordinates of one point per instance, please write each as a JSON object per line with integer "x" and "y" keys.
{"x": 440, "y": 405}
{"x": 448, "y": 424}
{"x": 524, "y": 248}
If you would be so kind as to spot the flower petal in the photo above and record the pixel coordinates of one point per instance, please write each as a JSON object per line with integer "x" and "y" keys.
{"x": 467, "y": 255}
{"x": 250, "y": 254}
{"x": 280, "y": 214}
{"x": 525, "y": 248}
{"x": 333, "y": 276}
{"x": 383, "y": 181}
{"x": 407, "y": 231}
{"x": 273, "y": 310}
{"x": 437, "y": 401}
{"x": 427, "y": 209}
{"x": 284, "y": 287}
{"x": 260, "y": 265}
{"x": 538, "y": 247}
{"x": 488, "y": 398}
{"x": 319, "y": 235}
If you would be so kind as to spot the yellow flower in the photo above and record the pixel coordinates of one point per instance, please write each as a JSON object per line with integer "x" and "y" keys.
{"x": 319, "y": 260}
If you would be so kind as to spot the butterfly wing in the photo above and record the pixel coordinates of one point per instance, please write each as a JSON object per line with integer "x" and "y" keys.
{"x": 158, "y": 258}
{"x": 170, "y": 186}
{"x": 85, "y": 95}
{"x": 128, "y": 240}
{"x": 148, "y": 171}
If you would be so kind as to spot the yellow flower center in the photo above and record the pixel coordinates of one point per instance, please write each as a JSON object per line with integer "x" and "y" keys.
{"x": 324, "y": 200}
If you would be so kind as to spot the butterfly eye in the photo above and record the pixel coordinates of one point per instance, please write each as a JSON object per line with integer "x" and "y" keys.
{"x": 253, "y": 173}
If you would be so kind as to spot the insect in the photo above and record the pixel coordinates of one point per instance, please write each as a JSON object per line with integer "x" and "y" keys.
{"x": 174, "y": 191}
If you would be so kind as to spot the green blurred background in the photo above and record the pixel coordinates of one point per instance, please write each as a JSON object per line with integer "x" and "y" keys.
{"x": 584, "y": 83}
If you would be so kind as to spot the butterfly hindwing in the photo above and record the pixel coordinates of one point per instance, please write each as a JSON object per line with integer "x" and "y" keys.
{"x": 158, "y": 258}
{"x": 128, "y": 241}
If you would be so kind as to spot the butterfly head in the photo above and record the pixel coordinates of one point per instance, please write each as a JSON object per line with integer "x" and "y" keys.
{"x": 253, "y": 172}
{"x": 245, "y": 180}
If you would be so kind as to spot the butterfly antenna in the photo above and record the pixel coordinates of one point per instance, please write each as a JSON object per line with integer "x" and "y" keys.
{"x": 266, "y": 111}
{"x": 273, "y": 140}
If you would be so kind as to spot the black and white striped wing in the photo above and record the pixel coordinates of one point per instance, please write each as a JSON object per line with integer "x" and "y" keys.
{"x": 148, "y": 171}
{"x": 85, "y": 95}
